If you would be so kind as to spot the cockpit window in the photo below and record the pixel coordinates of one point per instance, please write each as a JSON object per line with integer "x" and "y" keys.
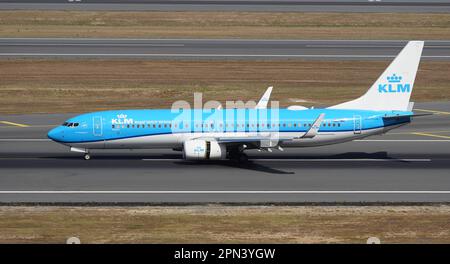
{"x": 67, "y": 124}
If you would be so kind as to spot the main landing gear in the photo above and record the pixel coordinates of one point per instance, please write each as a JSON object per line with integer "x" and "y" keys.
{"x": 238, "y": 156}
{"x": 87, "y": 156}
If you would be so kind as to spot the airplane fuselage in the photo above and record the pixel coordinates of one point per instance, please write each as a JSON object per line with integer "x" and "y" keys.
{"x": 141, "y": 129}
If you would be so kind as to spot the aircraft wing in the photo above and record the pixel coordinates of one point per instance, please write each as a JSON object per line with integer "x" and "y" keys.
{"x": 312, "y": 132}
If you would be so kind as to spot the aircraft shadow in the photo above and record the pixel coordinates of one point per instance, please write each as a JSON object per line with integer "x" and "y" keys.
{"x": 249, "y": 165}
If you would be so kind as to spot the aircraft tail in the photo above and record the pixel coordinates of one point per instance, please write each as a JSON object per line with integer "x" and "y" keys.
{"x": 392, "y": 90}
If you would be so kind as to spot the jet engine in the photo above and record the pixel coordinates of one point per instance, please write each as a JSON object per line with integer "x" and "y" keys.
{"x": 198, "y": 149}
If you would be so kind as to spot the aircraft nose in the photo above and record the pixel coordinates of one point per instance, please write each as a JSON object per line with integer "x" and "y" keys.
{"x": 55, "y": 134}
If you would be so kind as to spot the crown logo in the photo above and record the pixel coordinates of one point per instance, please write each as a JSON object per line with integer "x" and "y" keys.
{"x": 394, "y": 78}
{"x": 121, "y": 116}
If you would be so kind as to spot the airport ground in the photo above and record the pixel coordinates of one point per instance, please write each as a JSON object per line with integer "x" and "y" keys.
{"x": 82, "y": 85}
{"x": 364, "y": 6}
{"x": 226, "y": 224}
{"x": 249, "y": 25}
{"x": 409, "y": 165}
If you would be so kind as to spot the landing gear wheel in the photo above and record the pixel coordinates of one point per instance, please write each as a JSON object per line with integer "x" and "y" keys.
{"x": 87, "y": 156}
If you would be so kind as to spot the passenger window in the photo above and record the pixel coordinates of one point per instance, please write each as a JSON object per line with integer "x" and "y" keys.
{"x": 128, "y": 126}
{"x": 113, "y": 126}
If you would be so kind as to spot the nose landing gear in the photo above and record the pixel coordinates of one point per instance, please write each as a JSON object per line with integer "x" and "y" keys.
{"x": 82, "y": 150}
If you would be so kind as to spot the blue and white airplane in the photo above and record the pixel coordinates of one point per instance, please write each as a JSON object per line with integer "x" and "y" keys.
{"x": 214, "y": 134}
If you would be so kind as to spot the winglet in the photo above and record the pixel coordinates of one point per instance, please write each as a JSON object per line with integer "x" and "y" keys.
{"x": 262, "y": 104}
{"x": 410, "y": 106}
{"x": 312, "y": 132}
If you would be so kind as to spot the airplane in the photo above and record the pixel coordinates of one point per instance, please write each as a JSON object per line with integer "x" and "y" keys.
{"x": 219, "y": 134}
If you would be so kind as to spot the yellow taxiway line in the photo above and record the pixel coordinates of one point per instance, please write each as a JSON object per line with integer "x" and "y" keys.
{"x": 433, "y": 111}
{"x": 430, "y": 135}
{"x": 13, "y": 124}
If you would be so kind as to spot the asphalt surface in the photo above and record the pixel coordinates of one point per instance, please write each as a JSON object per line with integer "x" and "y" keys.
{"x": 214, "y": 49}
{"x": 409, "y": 164}
{"x": 436, "y": 6}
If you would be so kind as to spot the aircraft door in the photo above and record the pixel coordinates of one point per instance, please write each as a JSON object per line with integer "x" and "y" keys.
{"x": 357, "y": 124}
{"x": 97, "y": 126}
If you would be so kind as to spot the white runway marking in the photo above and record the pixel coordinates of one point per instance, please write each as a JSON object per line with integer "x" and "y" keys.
{"x": 357, "y": 140}
{"x": 318, "y": 160}
{"x": 338, "y": 160}
{"x": 367, "y": 46}
{"x": 24, "y": 139}
{"x": 402, "y": 140}
{"x": 224, "y": 192}
{"x": 95, "y": 44}
{"x": 205, "y": 55}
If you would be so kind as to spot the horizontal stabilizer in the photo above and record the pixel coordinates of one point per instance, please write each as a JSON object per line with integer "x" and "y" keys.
{"x": 408, "y": 115}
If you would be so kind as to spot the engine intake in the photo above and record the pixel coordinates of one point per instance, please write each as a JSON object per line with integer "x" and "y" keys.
{"x": 198, "y": 149}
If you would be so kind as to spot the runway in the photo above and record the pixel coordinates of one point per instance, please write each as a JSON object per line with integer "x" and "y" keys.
{"x": 214, "y": 49}
{"x": 436, "y": 6}
{"x": 410, "y": 164}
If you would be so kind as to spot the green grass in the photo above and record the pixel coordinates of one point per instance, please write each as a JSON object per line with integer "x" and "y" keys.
{"x": 226, "y": 224}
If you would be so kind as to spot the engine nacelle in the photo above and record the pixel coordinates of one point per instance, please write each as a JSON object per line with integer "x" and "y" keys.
{"x": 198, "y": 149}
